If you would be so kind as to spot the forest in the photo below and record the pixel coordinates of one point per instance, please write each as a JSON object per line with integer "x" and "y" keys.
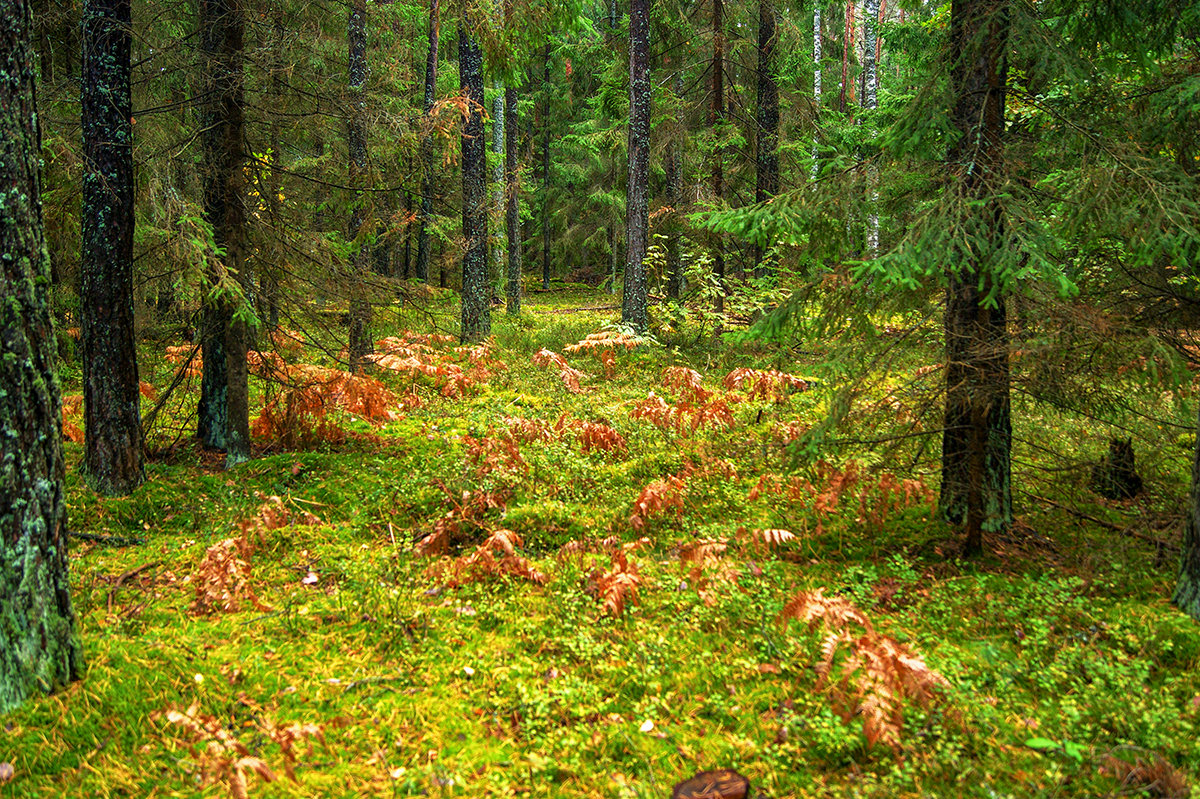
{"x": 709, "y": 399}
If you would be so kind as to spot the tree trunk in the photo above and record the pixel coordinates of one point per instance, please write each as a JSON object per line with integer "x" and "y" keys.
{"x": 767, "y": 183}
{"x": 674, "y": 178}
{"x": 637, "y": 208}
{"x": 224, "y": 418}
{"x": 716, "y": 118}
{"x": 846, "y": 96}
{"x": 871, "y": 103}
{"x": 427, "y": 148}
{"x": 976, "y": 445}
{"x": 39, "y": 646}
{"x": 816, "y": 161}
{"x": 356, "y": 136}
{"x": 112, "y": 418}
{"x": 496, "y": 270}
{"x": 1187, "y": 591}
{"x": 546, "y": 168}
{"x": 476, "y": 310}
{"x": 513, "y": 192}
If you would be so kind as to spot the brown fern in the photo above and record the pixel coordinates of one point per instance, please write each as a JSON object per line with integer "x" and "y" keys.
{"x": 569, "y": 375}
{"x": 867, "y": 674}
{"x": 656, "y": 499}
{"x": 768, "y": 385}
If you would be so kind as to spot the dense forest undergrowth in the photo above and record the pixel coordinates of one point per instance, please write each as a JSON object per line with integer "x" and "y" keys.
{"x": 558, "y": 565}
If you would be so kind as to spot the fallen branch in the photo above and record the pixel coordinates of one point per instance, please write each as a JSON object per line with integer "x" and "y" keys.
{"x": 1116, "y": 528}
{"x": 107, "y": 540}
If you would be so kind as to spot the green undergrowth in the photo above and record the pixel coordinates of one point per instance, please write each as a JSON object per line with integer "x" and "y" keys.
{"x": 1059, "y": 648}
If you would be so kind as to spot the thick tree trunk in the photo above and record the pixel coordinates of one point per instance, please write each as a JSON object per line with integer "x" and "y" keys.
{"x": 716, "y": 118}
{"x": 637, "y": 207}
{"x": 476, "y": 310}
{"x": 112, "y": 418}
{"x": 360, "y": 309}
{"x": 513, "y": 209}
{"x": 224, "y": 419}
{"x": 39, "y": 647}
{"x": 427, "y": 148}
{"x": 976, "y": 445}
{"x": 767, "y": 183}
{"x": 1187, "y": 591}
{"x": 546, "y": 168}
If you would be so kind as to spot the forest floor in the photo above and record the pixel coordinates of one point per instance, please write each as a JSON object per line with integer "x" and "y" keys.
{"x": 523, "y": 580}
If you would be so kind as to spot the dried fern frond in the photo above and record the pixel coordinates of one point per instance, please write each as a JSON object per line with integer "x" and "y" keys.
{"x": 688, "y": 382}
{"x": 618, "y": 586}
{"x": 569, "y": 375}
{"x": 656, "y": 499}
{"x": 769, "y": 384}
{"x": 597, "y": 437}
{"x": 877, "y": 673}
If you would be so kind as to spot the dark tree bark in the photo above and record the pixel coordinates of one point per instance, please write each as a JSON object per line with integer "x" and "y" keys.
{"x": 268, "y": 279}
{"x": 513, "y": 210}
{"x": 1187, "y": 590}
{"x": 224, "y": 415}
{"x": 496, "y": 240}
{"x": 427, "y": 147}
{"x": 637, "y": 207}
{"x": 976, "y": 445}
{"x": 39, "y": 647}
{"x": 767, "y": 183}
{"x": 356, "y": 139}
{"x": 546, "y": 167}
{"x": 716, "y": 116}
{"x": 112, "y": 418}
{"x": 673, "y": 167}
{"x": 476, "y": 309}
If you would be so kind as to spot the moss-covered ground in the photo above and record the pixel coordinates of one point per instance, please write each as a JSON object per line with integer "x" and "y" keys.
{"x": 1059, "y": 647}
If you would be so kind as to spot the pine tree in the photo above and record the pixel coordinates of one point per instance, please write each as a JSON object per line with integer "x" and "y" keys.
{"x": 112, "y": 421}
{"x": 476, "y": 309}
{"x": 633, "y": 304}
{"x": 39, "y": 647}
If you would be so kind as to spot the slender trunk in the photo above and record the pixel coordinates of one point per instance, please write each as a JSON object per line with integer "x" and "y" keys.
{"x": 816, "y": 161}
{"x": 1187, "y": 590}
{"x": 976, "y": 445}
{"x": 513, "y": 209}
{"x": 476, "y": 311}
{"x": 427, "y": 148}
{"x": 39, "y": 645}
{"x": 633, "y": 304}
{"x": 871, "y": 103}
{"x": 112, "y": 421}
{"x": 767, "y": 184}
{"x": 224, "y": 415}
{"x": 546, "y": 168}
{"x": 716, "y": 117}
{"x": 404, "y": 270}
{"x": 496, "y": 271}
{"x": 356, "y": 137}
{"x": 269, "y": 276}
{"x": 846, "y": 95}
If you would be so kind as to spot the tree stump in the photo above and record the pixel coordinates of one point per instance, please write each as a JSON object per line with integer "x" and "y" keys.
{"x": 1115, "y": 476}
{"x": 720, "y": 784}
